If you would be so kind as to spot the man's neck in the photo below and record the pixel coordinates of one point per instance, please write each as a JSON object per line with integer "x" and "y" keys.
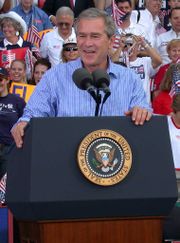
{"x": 26, "y": 9}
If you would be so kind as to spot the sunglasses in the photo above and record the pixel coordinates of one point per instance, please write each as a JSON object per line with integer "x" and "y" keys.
{"x": 61, "y": 24}
{"x": 70, "y": 49}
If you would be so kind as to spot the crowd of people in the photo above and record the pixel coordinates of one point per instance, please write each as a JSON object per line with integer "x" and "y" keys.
{"x": 138, "y": 46}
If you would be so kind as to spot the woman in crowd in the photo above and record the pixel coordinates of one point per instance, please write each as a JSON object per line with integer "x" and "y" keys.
{"x": 13, "y": 28}
{"x": 40, "y": 67}
{"x": 11, "y": 108}
{"x": 70, "y": 51}
{"x": 173, "y": 50}
{"x": 162, "y": 103}
{"x": 17, "y": 71}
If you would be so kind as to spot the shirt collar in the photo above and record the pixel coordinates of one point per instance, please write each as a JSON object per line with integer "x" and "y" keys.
{"x": 176, "y": 35}
{"x": 19, "y": 42}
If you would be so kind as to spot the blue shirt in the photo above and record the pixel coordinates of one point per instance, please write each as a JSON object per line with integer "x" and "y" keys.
{"x": 35, "y": 16}
{"x": 56, "y": 95}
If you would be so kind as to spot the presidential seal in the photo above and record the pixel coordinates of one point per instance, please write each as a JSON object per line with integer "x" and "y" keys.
{"x": 104, "y": 157}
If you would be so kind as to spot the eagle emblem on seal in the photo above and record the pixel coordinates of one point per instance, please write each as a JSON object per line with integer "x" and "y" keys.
{"x": 104, "y": 154}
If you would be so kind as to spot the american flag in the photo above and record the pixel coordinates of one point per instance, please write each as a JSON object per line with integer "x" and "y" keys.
{"x": 33, "y": 36}
{"x": 3, "y": 188}
{"x": 117, "y": 14}
{"x": 176, "y": 80}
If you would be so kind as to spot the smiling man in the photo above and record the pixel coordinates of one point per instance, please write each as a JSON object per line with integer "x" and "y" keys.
{"x": 52, "y": 42}
{"x": 57, "y": 95}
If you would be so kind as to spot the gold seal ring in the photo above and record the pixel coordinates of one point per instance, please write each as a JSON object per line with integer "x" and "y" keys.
{"x": 104, "y": 157}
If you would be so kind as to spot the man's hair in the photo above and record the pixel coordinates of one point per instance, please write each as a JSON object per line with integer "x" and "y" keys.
{"x": 176, "y": 8}
{"x": 94, "y": 13}
{"x": 123, "y": 1}
{"x": 64, "y": 11}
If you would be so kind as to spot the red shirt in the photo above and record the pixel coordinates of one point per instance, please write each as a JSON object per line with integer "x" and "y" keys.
{"x": 160, "y": 75}
{"x": 162, "y": 103}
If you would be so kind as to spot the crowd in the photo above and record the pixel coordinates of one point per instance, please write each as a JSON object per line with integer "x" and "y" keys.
{"x": 138, "y": 45}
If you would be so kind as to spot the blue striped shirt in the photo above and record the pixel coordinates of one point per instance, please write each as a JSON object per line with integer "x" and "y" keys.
{"x": 56, "y": 95}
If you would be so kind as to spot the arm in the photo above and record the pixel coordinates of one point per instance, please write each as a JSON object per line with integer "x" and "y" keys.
{"x": 139, "y": 110}
{"x": 100, "y": 4}
{"x": 44, "y": 47}
{"x": 40, "y": 104}
{"x": 155, "y": 57}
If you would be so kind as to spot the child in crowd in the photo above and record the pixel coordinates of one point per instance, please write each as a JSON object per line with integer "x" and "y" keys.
{"x": 17, "y": 71}
{"x": 11, "y": 108}
{"x": 40, "y": 67}
{"x": 173, "y": 50}
{"x": 69, "y": 51}
{"x": 174, "y": 129}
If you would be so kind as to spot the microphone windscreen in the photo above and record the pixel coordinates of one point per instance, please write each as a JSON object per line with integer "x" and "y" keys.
{"x": 82, "y": 78}
{"x": 100, "y": 77}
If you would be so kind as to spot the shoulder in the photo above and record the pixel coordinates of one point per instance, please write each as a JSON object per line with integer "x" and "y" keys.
{"x": 40, "y": 11}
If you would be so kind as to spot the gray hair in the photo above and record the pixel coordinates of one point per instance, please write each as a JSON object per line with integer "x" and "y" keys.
{"x": 17, "y": 26}
{"x": 65, "y": 11}
{"x": 93, "y": 13}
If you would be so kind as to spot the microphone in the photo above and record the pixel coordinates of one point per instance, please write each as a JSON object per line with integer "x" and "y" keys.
{"x": 102, "y": 81}
{"x": 84, "y": 80}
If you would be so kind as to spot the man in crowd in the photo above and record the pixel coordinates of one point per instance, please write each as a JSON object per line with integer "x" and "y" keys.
{"x": 77, "y": 6}
{"x": 52, "y": 42}
{"x": 127, "y": 26}
{"x": 57, "y": 95}
{"x": 149, "y": 18}
{"x": 33, "y": 15}
{"x": 172, "y": 4}
{"x": 165, "y": 38}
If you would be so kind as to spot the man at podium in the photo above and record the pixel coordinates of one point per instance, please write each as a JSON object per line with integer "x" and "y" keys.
{"x": 58, "y": 95}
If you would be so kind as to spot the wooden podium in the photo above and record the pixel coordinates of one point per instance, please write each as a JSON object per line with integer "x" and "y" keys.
{"x": 136, "y": 230}
{"x": 55, "y": 203}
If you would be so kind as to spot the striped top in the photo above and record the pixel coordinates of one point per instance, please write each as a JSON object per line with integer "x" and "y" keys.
{"x": 57, "y": 96}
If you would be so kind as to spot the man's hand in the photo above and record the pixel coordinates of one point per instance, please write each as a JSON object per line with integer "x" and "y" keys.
{"x": 18, "y": 133}
{"x": 139, "y": 115}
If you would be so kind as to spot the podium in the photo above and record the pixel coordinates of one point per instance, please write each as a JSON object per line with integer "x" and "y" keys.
{"x": 54, "y": 202}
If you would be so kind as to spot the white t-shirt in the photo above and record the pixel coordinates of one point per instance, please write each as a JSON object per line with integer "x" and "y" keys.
{"x": 150, "y": 24}
{"x": 51, "y": 46}
{"x": 174, "y": 133}
{"x": 143, "y": 67}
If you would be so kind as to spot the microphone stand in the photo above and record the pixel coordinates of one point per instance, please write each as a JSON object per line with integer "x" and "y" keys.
{"x": 98, "y": 102}
{"x": 104, "y": 100}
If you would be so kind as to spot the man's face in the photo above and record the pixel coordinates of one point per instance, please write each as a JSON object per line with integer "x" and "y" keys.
{"x": 174, "y": 3}
{"x": 175, "y": 20}
{"x": 64, "y": 23}
{"x": 125, "y": 7}
{"x": 27, "y": 4}
{"x": 93, "y": 43}
{"x": 153, "y": 6}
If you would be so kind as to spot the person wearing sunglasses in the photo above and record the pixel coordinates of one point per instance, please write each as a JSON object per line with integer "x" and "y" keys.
{"x": 70, "y": 51}
{"x": 52, "y": 42}
{"x": 11, "y": 108}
